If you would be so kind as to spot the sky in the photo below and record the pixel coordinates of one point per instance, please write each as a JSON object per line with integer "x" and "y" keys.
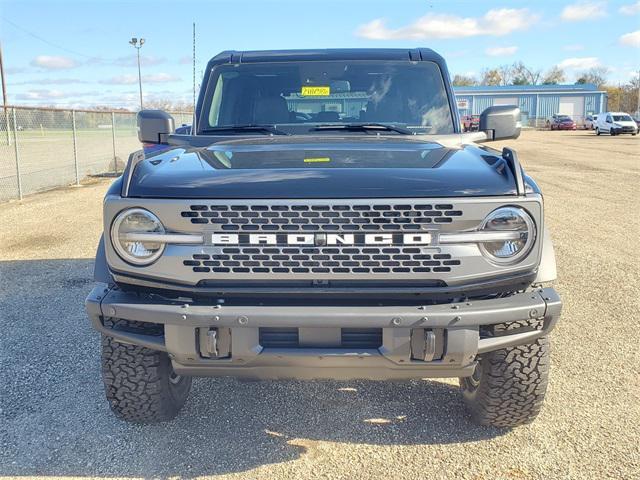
{"x": 76, "y": 54}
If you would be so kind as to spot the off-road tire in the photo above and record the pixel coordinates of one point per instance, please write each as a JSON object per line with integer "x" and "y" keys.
{"x": 508, "y": 386}
{"x": 140, "y": 383}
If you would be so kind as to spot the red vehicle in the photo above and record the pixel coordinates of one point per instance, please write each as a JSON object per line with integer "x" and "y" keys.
{"x": 561, "y": 122}
{"x": 470, "y": 123}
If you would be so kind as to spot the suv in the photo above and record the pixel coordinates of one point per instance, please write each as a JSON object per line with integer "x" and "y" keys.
{"x": 325, "y": 219}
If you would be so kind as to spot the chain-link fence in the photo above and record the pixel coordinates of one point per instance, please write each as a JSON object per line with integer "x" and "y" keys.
{"x": 43, "y": 148}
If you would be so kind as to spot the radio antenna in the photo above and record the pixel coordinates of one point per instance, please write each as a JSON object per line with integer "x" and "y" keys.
{"x": 194, "y": 128}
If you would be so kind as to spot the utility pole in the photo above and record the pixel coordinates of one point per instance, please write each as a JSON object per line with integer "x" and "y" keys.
{"x": 194, "y": 127}
{"x": 638, "y": 83}
{"x": 137, "y": 44}
{"x": 4, "y": 98}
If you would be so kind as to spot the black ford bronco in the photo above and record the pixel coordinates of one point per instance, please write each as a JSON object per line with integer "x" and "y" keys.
{"x": 325, "y": 218}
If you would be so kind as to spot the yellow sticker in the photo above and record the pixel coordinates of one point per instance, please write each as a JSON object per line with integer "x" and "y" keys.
{"x": 317, "y": 91}
{"x": 317, "y": 160}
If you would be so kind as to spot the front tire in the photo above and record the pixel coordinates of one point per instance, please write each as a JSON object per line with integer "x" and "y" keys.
{"x": 597, "y": 131}
{"x": 508, "y": 386}
{"x": 140, "y": 383}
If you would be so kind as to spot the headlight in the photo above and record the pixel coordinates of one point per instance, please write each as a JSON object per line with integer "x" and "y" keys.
{"x": 127, "y": 236}
{"x": 511, "y": 220}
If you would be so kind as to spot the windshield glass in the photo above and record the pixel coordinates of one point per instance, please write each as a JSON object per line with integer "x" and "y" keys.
{"x": 622, "y": 118}
{"x": 298, "y": 94}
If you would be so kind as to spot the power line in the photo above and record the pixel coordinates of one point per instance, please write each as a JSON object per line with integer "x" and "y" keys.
{"x": 38, "y": 37}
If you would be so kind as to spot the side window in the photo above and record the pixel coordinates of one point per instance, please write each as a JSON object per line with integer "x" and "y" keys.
{"x": 608, "y": 118}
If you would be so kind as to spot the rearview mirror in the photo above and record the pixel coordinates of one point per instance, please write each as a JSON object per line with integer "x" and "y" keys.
{"x": 501, "y": 122}
{"x": 154, "y": 126}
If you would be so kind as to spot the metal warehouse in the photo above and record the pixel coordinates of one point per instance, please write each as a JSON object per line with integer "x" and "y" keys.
{"x": 536, "y": 102}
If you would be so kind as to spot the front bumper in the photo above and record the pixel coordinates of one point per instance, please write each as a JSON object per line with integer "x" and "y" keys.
{"x": 625, "y": 130}
{"x": 460, "y": 326}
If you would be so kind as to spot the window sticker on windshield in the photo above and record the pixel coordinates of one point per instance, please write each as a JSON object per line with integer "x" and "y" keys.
{"x": 317, "y": 160}
{"x": 317, "y": 91}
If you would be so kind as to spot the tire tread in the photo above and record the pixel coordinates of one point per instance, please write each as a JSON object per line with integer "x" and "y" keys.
{"x": 136, "y": 380}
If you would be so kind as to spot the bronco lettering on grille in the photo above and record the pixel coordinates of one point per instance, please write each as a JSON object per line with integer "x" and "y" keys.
{"x": 322, "y": 239}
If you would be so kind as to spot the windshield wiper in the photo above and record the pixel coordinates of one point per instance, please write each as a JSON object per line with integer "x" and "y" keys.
{"x": 246, "y": 128}
{"x": 365, "y": 126}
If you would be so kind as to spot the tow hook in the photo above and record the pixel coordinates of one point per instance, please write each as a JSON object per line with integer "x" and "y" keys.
{"x": 429, "y": 345}
{"x": 212, "y": 342}
{"x": 215, "y": 342}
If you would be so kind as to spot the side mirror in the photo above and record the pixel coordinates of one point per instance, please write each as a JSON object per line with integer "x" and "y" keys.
{"x": 501, "y": 122}
{"x": 154, "y": 126}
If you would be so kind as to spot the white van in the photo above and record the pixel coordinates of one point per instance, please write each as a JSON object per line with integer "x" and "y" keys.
{"x": 616, "y": 123}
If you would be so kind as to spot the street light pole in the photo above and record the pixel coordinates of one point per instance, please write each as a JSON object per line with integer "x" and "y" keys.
{"x": 137, "y": 44}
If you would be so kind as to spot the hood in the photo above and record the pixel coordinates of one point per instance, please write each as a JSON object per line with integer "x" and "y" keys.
{"x": 322, "y": 167}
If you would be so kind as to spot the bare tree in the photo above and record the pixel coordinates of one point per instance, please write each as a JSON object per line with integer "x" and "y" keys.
{"x": 630, "y": 95}
{"x": 505, "y": 73}
{"x": 554, "y": 76}
{"x": 595, "y": 75}
{"x": 523, "y": 75}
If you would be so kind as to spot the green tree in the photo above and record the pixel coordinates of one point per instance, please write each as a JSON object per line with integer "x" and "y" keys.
{"x": 491, "y": 77}
{"x": 464, "y": 81}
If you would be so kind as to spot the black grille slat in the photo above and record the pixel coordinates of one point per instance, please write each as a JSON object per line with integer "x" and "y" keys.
{"x": 322, "y": 218}
{"x": 278, "y": 337}
{"x": 341, "y": 259}
{"x": 361, "y": 337}
{"x": 350, "y": 338}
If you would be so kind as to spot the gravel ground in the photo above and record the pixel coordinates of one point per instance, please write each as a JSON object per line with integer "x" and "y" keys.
{"x": 55, "y": 422}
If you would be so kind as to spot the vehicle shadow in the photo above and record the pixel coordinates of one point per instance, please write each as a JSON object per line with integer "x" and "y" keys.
{"x": 54, "y": 420}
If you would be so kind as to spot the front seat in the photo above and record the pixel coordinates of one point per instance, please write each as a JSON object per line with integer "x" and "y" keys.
{"x": 327, "y": 117}
{"x": 271, "y": 110}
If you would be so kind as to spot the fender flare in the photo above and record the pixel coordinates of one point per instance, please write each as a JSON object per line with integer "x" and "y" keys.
{"x": 547, "y": 270}
{"x": 101, "y": 272}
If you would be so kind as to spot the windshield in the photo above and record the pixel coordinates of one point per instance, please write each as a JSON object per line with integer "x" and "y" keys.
{"x": 298, "y": 96}
{"x": 564, "y": 118}
{"x": 622, "y": 118}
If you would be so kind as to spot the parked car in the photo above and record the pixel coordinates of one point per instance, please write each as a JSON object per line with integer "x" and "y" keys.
{"x": 470, "y": 123}
{"x": 590, "y": 122}
{"x": 183, "y": 129}
{"x": 616, "y": 123}
{"x": 266, "y": 245}
{"x": 561, "y": 122}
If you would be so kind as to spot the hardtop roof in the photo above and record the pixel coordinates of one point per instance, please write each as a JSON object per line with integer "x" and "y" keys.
{"x": 256, "y": 56}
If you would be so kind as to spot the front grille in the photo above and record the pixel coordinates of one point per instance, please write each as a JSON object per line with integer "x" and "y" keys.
{"x": 360, "y": 338}
{"x": 334, "y": 217}
{"x": 337, "y": 259}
